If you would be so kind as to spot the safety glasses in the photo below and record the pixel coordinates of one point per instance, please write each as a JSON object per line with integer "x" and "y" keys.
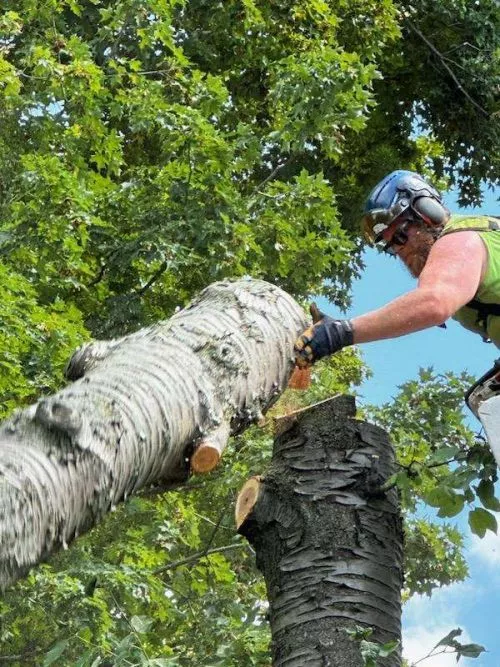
{"x": 399, "y": 238}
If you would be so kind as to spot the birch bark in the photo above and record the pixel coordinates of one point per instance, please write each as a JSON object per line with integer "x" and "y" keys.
{"x": 136, "y": 410}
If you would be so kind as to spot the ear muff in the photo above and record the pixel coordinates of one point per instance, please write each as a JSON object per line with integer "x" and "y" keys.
{"x": 433, "y": 212}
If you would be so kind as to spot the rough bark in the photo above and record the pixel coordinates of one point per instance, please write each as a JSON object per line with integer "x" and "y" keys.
{"x": 138, "y": 407}
{"x": 328, "y": 543}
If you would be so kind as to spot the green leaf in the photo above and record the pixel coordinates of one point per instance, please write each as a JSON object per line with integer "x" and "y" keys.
{"x": 486, "y": 492}
{"x": 141, "y": 624}
{"x": 470, "y": 650}
{"x": 448, "y": 502}
{"x": 359, "y": 632}
{"x": 443, "y": 454}
{"x": 469, "y": 495}
{"x": 448, "y": 640}
{"x": 371, "y": 651}
{"x": 453, "y": 506}
{"x": 437, "y": 497}
{"x": 55, "y": 652}
{"x": 85, "y": 660}
{"x": 481, "y": 520}
{"x": 388, "y": 648}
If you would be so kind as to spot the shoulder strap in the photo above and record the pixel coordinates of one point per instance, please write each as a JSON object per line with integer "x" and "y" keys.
{"x": 492, "y": 224}
{"x": 483, "y": 310}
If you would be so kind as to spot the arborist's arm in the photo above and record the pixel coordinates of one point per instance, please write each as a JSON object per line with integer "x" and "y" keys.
{"x": 449, "y": 280}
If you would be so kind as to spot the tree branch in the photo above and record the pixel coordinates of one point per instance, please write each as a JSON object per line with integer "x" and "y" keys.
{"x": 270, "y": 177}
{"x": 391, "y": 483}
{"x": 131, "y": 420}
{"x": 198, "y": 556}
{"x": 99, "y": 276}
{"x": 214, "y": 531}
{"x": 29, "y": 653}
{"x": 442, "y": 59}
{"x": 153, "y": 279}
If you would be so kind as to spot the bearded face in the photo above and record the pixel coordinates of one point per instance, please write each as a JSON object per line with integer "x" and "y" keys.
{"x": 419, "y": 247}
{"x": 415, "y": 248}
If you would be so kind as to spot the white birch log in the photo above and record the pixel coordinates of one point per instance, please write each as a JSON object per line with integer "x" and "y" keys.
{"x": 135, "y": 412}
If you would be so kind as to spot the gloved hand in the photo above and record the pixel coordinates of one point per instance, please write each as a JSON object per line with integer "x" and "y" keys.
{"x": 324, "y": 337}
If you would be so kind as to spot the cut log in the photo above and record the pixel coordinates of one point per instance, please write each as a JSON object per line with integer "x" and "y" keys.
{"x": 137, "y": 409}
{"x": 205, "y": 458}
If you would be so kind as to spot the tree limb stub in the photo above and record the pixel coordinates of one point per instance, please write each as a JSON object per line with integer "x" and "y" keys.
{"x": 137, "y": 406}
{"x": 330, "y": 553}
{"x": 247, "y": 499}
{"x": 209, "y": 450}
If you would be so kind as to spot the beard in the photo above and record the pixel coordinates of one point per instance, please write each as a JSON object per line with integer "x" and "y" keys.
{"x": 416, "y": 261}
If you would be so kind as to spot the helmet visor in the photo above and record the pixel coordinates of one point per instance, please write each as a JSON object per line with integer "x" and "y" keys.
{"x": 376, "y": 221}
{"x": 374, "y": 224}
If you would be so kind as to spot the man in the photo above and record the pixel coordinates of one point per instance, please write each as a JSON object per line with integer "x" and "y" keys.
{"x": 456, "y": 260}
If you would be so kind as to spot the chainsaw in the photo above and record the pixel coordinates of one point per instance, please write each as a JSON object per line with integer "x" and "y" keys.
{"x": 483, "y": 399}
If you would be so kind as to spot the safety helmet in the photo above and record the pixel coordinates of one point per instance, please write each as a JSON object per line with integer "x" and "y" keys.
{"x": 402, "y": 194}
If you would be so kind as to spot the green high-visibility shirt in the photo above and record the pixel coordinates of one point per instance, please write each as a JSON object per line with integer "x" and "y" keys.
{"x": 488, "y": 292}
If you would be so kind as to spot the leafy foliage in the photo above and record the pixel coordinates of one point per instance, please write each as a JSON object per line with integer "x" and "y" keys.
{"x": 441, "y": 461}
{"x": 437, "y": 39}
{"x": 433, "y": 556}
{"x": 150, "y": 148}
{"x": 443, "y": 465}
{"x": 36, "y": 342}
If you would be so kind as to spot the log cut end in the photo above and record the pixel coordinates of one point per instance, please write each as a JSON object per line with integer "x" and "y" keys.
{"x": 338, "y": 405}
{"x": 209, "y": 451}
{"x": 247, "y": 499}
{"x": 205, "y": 458}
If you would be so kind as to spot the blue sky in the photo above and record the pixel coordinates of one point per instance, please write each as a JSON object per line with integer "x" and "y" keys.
{"x": 473, "y": 605}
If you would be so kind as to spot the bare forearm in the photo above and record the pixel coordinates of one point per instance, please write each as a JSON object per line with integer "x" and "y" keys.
{"x": 411, "y": 312}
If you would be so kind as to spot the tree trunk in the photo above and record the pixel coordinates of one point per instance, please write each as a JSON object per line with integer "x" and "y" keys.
{"x": 139, "y": 407}
{"x": 328, "y": 542}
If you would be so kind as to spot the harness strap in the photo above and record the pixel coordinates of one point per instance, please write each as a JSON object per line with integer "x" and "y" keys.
{"x": 483, "y": 310}
{"x": 493, "y": 226}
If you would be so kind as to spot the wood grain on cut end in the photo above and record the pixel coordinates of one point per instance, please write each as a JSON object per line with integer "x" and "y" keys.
{"x": 205, "y": 458}
{"x": 338, "y": 404}
{"x": 247, "y": 499}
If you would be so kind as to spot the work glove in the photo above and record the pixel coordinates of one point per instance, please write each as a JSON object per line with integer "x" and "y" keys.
{"x": 326, "y": 336}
